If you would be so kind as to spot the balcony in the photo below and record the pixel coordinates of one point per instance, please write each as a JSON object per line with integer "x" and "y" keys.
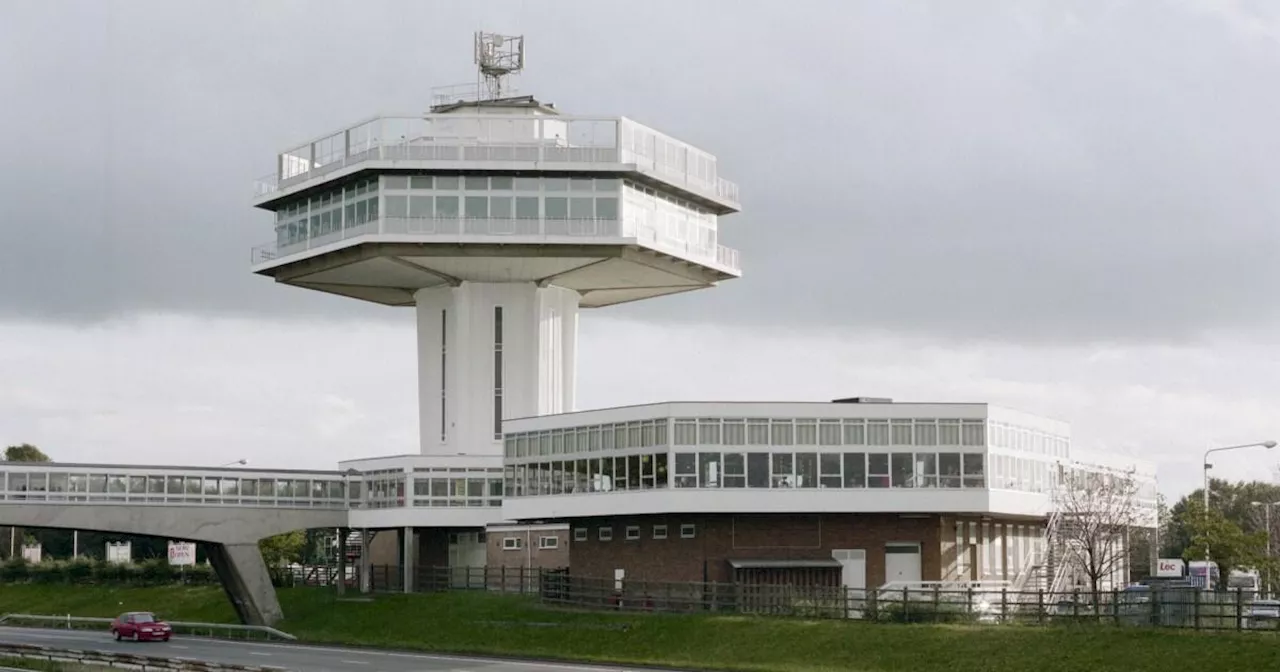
{"x": 498, "y": 232}
{"x": 490, "y": 142}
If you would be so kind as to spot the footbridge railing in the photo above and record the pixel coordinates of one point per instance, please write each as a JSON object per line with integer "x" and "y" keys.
{"x": 98, "y": 484}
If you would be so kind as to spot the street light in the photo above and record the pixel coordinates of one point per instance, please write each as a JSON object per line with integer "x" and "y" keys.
{"x": 1267, "y": 518}
{"x": 1263, "y": 444}
{"x": 1207, "y": 466}
{"x": 239, "y": 462}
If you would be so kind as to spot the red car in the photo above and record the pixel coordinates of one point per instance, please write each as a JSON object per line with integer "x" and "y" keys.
{"x": 140, "y": 626}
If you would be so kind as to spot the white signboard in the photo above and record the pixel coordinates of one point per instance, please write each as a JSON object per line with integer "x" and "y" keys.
{"x": 32, "y": 554}
{"x": 182, "y": 553}
{"x": 1170, "y": 568}
{"x": 119, "y": 553}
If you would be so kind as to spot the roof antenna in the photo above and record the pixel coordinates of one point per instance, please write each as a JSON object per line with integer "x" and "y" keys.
{"x": 498, "y": 57}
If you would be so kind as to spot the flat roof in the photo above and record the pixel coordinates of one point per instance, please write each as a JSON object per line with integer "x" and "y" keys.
{"x": 703, "y": 402}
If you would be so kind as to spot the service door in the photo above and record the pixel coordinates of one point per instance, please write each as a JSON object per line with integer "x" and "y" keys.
{"x": 853, "y": 576}
{"x": 901, "y": 563}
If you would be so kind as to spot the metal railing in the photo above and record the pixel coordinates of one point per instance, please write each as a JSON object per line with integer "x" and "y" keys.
{"x": 504, "y": 231}
{"x": 213, "y": 630}
{"x": 462, "y": 138}
{"x": 168, "y": 486}
{"x": 122, "y": 660}
{"x": 979, "y": 603}
{"x": 451, "y": 230}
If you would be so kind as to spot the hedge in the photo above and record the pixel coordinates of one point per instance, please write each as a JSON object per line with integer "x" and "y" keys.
{"x": 86, "y": 571}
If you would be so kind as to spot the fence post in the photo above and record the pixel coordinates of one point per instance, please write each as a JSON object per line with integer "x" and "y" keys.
{"x": 1196, "y": 612}
{"x": 1115, "y": 605}
{"x": 1239, "y": 609}
{"x": 1004, "y": 605}
{"x": 906, "y": 610}
{"x": 1040, "y": 606}
{"x": 1156, "y": 598}
{"x": 937, "y": 599}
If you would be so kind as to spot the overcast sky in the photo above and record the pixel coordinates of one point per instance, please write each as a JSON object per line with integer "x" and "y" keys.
{"x": 1063, "y": 207}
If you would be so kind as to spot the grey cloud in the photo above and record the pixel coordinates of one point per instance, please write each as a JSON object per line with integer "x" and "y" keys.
{"x": 1034, "y": 170}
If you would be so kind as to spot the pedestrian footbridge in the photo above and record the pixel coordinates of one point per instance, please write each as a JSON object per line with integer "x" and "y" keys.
{"x": 228, "y": 509}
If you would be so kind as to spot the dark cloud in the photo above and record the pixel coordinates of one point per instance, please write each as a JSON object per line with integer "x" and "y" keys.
{"x": 1044, "y": 170}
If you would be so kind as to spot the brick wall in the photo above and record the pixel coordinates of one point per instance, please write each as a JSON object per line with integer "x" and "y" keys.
{"x": 718, "y": 538}
{"x": 532, "y": 552}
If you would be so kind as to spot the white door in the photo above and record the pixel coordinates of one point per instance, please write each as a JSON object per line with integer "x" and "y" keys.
{"x": 902, "y": 563}
{"x": 853, "y": 576}
{"x": 853, "y": 563}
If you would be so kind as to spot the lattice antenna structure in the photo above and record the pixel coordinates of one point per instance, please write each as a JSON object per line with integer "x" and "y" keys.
{"x": 497, "y": 57}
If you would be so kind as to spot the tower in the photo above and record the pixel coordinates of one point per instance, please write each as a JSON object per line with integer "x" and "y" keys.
{"x": 497, "y": 219}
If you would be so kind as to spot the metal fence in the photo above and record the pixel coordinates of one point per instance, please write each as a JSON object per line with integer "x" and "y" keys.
{"x": 1170, "y": 607}
{"x": 216, "y": 630}
{"x": 131, "y": 661}
{"x": 518, "y": 580}
{"x": 1174, "y": 608}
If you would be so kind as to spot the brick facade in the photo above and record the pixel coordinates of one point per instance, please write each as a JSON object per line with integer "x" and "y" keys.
{"x": 533, "y": 551}
{"x": 718, "y": 538}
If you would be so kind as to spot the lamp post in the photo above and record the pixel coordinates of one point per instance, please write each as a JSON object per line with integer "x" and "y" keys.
{"x": 239, "y": 462}
{"x": 1207, "y": 466}
{"x": 1266, "y": 508}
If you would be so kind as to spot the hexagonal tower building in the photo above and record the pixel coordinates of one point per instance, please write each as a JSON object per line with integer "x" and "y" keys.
{"x": 496, "y": 218}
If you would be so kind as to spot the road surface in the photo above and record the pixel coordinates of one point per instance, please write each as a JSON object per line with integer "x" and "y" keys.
{"x": 298, "y": 658}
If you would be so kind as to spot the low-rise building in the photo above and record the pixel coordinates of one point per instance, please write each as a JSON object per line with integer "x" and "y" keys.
{"x": 860, "y": 493}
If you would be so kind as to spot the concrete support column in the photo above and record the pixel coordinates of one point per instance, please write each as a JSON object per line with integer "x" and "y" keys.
{"x": 247, "y": 582}
{"x": 366, "y": 563}
{"x": 343, "y": 533}
{"x": 406, "y": 558}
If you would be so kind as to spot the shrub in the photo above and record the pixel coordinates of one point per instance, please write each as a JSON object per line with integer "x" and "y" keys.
{"x": 156, "y": 571}
{"x": 924, "y": 612}
{"x": 80, "y": 570}
{"x": 15, "y": 570}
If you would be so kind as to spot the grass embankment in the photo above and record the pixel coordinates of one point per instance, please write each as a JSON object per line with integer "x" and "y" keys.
{"x": 506, "y": 625}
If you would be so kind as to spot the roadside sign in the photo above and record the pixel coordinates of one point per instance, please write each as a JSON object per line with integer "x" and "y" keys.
{"x": 1167, "y": 568}
{"x": 182, "y": 553}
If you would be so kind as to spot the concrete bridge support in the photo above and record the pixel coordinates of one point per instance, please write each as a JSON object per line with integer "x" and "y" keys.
{"x": 247, "y": 582}
{"x": 231, "y": 532}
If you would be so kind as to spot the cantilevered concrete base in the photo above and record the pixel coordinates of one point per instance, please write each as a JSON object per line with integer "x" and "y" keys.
{"x": 245, "y": 578}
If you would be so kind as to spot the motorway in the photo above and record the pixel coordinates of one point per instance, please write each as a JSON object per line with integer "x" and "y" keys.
{"x": 298, "y": 658}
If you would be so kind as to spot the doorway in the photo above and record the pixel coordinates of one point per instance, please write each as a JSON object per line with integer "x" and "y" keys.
{"x": 853, "y": 577}
{"x": 901, "y": 563}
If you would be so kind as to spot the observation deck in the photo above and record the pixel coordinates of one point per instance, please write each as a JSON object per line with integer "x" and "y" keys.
{"x": 603, "y": 206}
{"x": 490, "y": 142}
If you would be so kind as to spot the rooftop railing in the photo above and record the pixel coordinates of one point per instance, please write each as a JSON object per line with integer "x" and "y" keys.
{"x": 463, "y": 139}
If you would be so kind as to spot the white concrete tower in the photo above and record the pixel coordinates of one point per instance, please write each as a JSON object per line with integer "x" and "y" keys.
{"x": 497, "y": 219}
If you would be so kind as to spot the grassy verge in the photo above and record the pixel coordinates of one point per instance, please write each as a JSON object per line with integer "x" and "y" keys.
{"x": 504, "y": 625}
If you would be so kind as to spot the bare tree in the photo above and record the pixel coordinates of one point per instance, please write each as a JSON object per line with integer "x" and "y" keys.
{"x": 1097, "y": 509}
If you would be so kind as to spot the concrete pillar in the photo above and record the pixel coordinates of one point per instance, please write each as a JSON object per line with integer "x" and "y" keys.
{"x": 406, "y": 558}
{"x": 366, "y": 563}
{"x": 247, "y": 582}
{"x": 342, "y": 560}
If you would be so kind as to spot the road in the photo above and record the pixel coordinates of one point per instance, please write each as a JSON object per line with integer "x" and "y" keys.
{"x": 298, "y": 658}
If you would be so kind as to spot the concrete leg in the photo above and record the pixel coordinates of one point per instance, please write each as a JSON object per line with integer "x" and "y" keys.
{"x": 247, "y": 582}
{"x": 342, "y": 560}
{"x": 366, "y": 563}
{"x": 406, "y": 558}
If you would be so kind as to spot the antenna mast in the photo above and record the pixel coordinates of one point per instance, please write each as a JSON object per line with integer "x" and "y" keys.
{"x": 497, "y": 56}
